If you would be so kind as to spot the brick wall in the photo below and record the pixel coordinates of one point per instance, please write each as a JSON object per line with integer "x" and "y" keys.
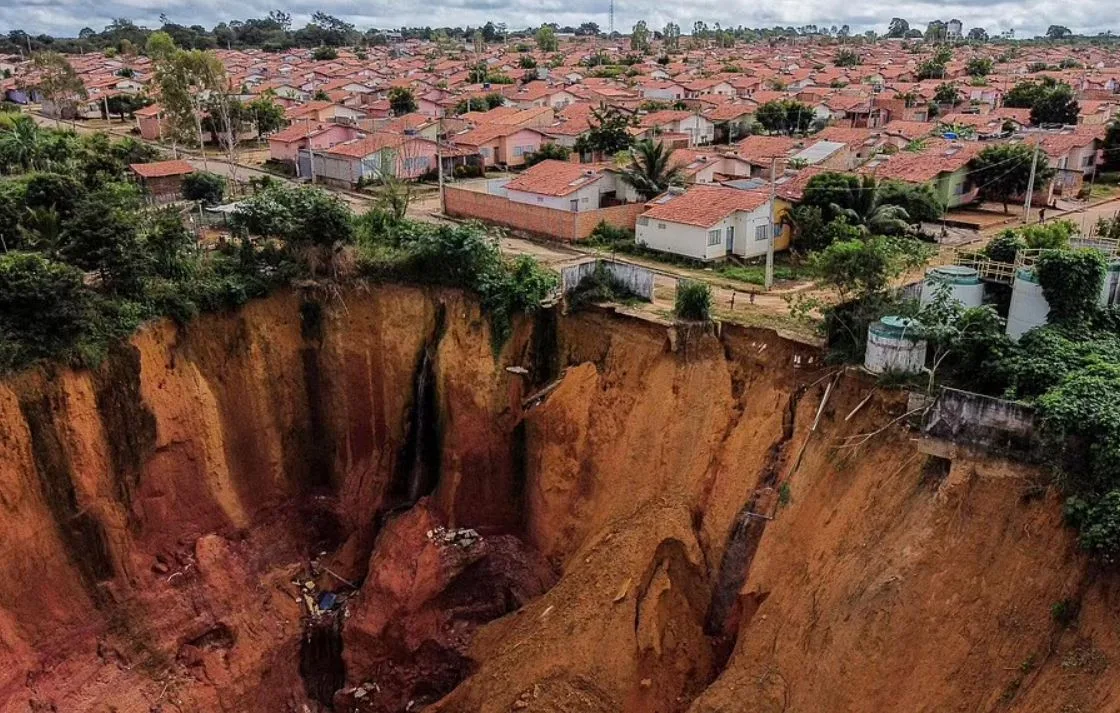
{"x": 547, "y": 222}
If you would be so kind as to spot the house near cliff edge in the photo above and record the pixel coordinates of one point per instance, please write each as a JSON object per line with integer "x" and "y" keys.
{"x": 712, "y": 223}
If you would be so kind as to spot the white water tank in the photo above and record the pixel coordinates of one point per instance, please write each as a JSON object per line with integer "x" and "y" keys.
{"x": 893, "y": 345}
{"x": 1110, "y": 291}
{"x": 1029, "y": 307}
{"x": 964, "y": 285}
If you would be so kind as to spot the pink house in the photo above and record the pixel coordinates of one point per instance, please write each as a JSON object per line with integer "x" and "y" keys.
{"x": 284, "y": 146}
{"x": 501, "y": 145}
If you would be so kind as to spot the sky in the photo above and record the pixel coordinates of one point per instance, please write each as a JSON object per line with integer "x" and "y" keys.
{"x": 1026, "y": 17}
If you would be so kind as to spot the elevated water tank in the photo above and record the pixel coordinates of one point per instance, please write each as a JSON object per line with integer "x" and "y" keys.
{"x": 963, "y": 282}
{"x": 1029, "y": 307}
{"x": 893, "y": 345}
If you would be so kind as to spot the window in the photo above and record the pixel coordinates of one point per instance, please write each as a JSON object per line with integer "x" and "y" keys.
{"x": 643, "y": 221}
{"x": 760, "y": 233}
{"x": 730, "y": 237}
{"x": 715, "y": 237}
{"x": 415, "y": 165}
{"x": 661, "y": 226}
{"x": 575, "y": 205}
{"x": 522, "y": 150}
{"x": 485, "y": 151}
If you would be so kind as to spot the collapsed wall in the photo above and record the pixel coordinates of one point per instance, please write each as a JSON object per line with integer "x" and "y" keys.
{"x": 662, "y": 520}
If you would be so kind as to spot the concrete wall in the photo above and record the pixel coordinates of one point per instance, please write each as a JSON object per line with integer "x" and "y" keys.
{"x": 638, "y": 280}
{"x": 558, "y": 224}
{"x": 996, "y": 424}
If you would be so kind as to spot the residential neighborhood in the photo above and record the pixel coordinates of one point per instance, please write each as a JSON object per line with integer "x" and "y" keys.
{"x": 524, "y": 129}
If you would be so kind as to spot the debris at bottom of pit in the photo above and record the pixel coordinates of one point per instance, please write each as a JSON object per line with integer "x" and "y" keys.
{"x": 461, "y": 537}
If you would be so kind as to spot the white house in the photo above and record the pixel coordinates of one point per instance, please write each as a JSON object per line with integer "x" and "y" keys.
{"x": 708, "y": 223}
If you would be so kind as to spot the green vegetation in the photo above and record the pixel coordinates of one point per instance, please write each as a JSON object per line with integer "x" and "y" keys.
{"x": 554, "y": 152}
{"x": 84, "y": 261}
{"x": 460, "y": 256}
{"x": 651, "y": 171}
{"x": 600, "y": 286}
{"x": 694, "y": 301}
{"x": 210, "y": 188}
{"x": 1002, "y": 172}
{"x": 402, "y": 101}
{"x": 785, "y": 116}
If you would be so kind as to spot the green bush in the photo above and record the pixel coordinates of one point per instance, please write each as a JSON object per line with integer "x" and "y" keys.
{"x": 694, "y": 301}
{"x": 1005, "y": 246}
{"x": 210, "y": 188}
{"x": 44, "y": 308}
{"x": 1071, "y": 282}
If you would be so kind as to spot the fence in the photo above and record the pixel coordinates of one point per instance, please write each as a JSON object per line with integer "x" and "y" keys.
{"x": 538, "y": 220}
{"x": 638, "y": 280}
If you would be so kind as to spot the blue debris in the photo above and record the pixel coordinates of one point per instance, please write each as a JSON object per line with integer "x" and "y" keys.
{"x": 327, "y": 600}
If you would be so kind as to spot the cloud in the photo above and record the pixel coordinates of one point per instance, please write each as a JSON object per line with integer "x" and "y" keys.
{"x": 1027, "y": 18}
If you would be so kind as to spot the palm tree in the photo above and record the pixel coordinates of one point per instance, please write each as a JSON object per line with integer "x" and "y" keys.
{"x": 868, "y": 211}
{"x": 41, "y": 229}
{"x": 651, "y": 172}
{"x": 20, "y": 142}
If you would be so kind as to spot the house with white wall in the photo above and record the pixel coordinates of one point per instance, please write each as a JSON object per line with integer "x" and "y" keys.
{"x": 708, "y": 223}
{"x": 566, "y": 186}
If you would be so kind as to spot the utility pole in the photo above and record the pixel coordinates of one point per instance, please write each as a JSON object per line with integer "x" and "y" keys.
{"x": 770, "y": 225}
{"x": 1030, "y": 184}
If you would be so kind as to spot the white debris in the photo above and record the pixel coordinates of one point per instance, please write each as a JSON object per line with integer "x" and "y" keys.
{"x": 459, "y": 537}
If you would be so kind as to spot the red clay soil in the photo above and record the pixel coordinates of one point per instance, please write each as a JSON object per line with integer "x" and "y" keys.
{"x": 664, "y": 532}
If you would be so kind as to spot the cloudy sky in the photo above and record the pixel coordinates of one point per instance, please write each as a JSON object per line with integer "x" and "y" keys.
{"x": 1026, "y": 17}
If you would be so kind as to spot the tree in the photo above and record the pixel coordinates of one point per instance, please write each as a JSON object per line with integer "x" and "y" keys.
{"x": 588, "y": 29}
{"x": 1111, "y": 148}
{"x": 651, "y": 171}
{"x": 402, "y": 101}
{"x": 1071, "y": 281}
{"x": 548, "y": 152}
{"x": 43, "y": 306}
{"x": 1005, "y": 247}
{"x": 978, "y": 34}
{"x": 1025, "y": 94}
{"x": 266, "y": 114}
{"x": 639, "y": 37}
{"x": 314, "y": 224}
{"x": 937, "y": 31}
{"x": 693, "y": 301}
{"x": 868, "y": 211}
{"x": 898, "y": 28}
{"x": 60, "y": 191}
{"x": 847, "y": 58}
{"x": 58, "y": 83}
{"x": 979, "y": 66}
{"x": 102, "y": 236}
{"x": 1002, "y": 172}
{"x": 862, "y": 268}
{"x": 21, "y": 144}
{"x": 947, "y": 93}
{"x": 1058, "y": 32}
{"x": 607, "y": 133}
{"x": 123, "y": 104}
{"x": 785, "y": 116}
{"x": 324, "y": 54}
{"x": 1056, "y": 106}
{"x": 546, "y": 39}
{"x": 931, "y": 69}
{"x": 209, "y": 188}
{"x": 671, "y": 36}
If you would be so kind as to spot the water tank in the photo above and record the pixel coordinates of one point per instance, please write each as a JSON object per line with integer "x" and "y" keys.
{"x": 1029, "y": 307}
{"x": 893, "y": 346}
{"x": 964, "y": 285}
{"x": 1110, "y": 291}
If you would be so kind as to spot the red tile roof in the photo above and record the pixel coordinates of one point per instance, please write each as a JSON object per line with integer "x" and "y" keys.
{"x": 555, "y": 178}
{"x": 161, "y": 169}
{"x": 704, "y": 205}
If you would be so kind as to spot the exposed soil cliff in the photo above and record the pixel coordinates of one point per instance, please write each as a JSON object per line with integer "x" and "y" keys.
{"x": 606, "y": 515}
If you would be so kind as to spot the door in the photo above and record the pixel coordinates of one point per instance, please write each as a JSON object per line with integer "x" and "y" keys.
{"x": 730, "y": 239}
